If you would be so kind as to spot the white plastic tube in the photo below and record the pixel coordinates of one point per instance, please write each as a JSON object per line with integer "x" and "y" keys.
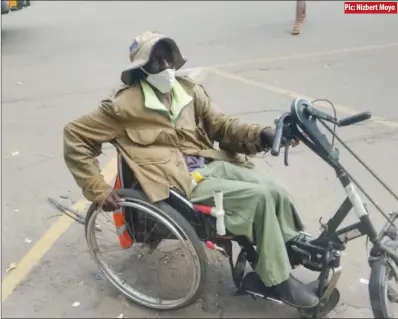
{"x": 219, "y": 213}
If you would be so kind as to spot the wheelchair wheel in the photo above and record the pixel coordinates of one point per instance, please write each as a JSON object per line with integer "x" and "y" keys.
{"x": 170, "y": 233}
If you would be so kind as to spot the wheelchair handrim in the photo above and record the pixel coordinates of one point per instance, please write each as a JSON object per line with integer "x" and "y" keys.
{"x": 130, "y": 292}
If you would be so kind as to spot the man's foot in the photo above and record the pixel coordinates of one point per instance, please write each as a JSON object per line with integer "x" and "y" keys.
{"x": 292, "y": 292}
{"x": 296, "y": 294}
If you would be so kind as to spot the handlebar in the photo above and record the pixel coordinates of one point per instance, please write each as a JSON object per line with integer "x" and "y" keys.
{"x": 356, "y": 118}
{"x": 349, "y": 120}
{"x": 276, "y": 144}
{"x": 285, "y": 123}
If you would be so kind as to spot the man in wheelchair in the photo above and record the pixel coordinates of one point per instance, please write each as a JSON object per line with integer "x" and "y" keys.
{"x": 164, "y": 126}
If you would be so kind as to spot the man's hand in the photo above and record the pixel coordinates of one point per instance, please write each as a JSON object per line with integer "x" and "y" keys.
{"x": 111, "y": 203}
{"x": 268, "y": 135}
{"x": 294, "y": 142}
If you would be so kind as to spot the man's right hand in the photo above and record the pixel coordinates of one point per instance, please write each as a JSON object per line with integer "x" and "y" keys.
{"x": 111, "y": 203}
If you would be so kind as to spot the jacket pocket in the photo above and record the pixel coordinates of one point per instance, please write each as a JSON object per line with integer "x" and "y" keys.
{"x": 146, "y": 147}
{"x": 144, "y": 137}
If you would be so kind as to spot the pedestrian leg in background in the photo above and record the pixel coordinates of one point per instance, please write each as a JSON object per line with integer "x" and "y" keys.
{"x": 300, "y": 16}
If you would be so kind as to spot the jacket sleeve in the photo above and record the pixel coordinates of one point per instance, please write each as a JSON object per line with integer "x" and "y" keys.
{"x": 231, "y": 134}
{"x": 83, "y": 139}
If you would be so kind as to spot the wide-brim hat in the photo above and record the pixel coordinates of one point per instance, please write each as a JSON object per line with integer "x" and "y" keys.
{"x": 141, "y": 50}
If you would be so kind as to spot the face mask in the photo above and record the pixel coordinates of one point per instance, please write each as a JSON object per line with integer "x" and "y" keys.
{"x": 163, "y": 81}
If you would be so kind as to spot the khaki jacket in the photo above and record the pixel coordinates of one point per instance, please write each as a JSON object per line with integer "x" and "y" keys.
{"x": 151, "y": 143}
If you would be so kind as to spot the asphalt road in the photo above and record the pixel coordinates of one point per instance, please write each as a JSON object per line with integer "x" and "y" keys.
{"x": 60, "y": 58}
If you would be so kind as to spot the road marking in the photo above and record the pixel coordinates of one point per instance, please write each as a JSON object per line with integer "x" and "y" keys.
{"x": 243, "y": 63}
{"x": 292, "y": 95}
{"x": 199, "y": 74}
{"x": 306, "y": 55}
{"x": 43, "y": 245}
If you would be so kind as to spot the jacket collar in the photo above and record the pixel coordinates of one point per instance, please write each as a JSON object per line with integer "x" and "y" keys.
{"x": 179, "y": 99}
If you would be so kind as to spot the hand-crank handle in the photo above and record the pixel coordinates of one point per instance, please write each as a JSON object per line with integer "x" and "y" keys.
{"x": 276, "y": 144}
{"x": 356, "y": 118}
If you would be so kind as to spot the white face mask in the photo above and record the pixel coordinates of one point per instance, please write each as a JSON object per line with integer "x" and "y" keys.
{"x": 163, "y": 80}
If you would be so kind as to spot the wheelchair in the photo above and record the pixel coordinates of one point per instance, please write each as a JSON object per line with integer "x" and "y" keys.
{"x": 179, "y": 219}
{"x": 176, "y": 218}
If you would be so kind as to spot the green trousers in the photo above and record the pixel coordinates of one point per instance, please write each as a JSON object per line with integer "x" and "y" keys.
{"x": 256, "y": 207}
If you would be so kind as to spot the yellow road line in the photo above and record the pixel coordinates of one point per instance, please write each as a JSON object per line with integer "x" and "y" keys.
{"x": 308, "y": 55}
{"x": 293, "y": 95}
{"x": 199, "y": 74}
{"x": 291, "y": 57}
{"x": 43, "y": 245}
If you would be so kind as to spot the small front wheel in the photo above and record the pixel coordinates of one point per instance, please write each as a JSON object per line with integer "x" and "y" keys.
{"x": 383, "y": 289}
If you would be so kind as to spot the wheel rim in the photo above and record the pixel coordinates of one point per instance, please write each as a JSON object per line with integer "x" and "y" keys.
{"x": 121, "y": 284}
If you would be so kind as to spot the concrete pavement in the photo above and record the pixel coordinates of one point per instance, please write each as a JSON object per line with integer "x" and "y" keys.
{"x": 61, "y": 58}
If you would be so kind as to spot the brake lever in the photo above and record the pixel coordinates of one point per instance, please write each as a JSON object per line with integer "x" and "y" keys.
{"x": 286, "y": 155}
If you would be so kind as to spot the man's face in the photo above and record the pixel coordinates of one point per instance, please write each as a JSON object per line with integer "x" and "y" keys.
{"x": 161, "y": 59}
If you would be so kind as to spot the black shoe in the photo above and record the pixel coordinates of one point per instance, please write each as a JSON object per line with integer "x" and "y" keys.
{"x": 296, "y": 294}
{"x": 253, "y": 284}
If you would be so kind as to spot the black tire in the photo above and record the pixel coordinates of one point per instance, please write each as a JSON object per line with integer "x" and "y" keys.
{"x": 377, "y": 288}
{"x": 137, "y": 196}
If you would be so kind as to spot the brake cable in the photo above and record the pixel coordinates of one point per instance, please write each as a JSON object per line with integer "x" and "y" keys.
{"x": 334, "y": 114}
{"x": 385, "y": 215}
